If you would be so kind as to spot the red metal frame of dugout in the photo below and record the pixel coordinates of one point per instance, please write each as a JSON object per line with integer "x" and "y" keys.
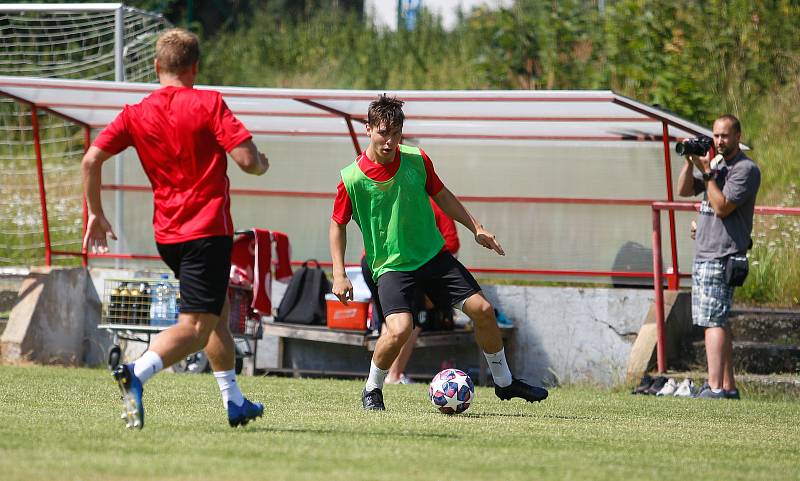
{"x": 314, "y": 101}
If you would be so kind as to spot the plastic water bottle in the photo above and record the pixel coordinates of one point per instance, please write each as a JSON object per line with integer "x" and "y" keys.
{"x": 162, "y": 306}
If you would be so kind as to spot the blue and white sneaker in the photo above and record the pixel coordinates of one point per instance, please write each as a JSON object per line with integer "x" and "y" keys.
{"x": 241, "y": 415}
{"x": 131, "y": 388}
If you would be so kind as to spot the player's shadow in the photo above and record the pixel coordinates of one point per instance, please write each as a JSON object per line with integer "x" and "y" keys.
{"x": 339, "y": 432}
{"x": 532, "y": 415}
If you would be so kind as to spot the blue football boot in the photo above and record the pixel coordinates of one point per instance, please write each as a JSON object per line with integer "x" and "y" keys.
{"x": 131, "y": 388}
{"x": 241, "y": 415}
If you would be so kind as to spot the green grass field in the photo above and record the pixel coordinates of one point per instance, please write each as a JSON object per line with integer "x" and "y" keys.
{"x": 63, "y": 424}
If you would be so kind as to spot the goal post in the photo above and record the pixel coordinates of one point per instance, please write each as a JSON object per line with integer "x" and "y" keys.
{"x": 88, "y": 41}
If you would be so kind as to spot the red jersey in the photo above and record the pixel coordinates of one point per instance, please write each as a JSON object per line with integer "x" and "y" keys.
{"x": 182, "y": 136}
{"x": 343, "y": 208}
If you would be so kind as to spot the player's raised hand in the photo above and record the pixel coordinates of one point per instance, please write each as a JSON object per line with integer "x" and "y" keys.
{"x": 488, "y": 240}
{"x": 343, "y": 289}
{"x": 98, "y": 229}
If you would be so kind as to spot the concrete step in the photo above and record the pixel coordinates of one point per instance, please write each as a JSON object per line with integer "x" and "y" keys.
{"x": 754, "y": 357}
{"x": 766, "y": 325}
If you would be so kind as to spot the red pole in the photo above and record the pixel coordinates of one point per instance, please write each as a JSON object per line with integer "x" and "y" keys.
{"x": 87, "y": 141}
{"x": 353, "y": 136}
{"x": 42, "y": 197}
{"x": 659, "y": 292}
{"x": 674, "y": 279}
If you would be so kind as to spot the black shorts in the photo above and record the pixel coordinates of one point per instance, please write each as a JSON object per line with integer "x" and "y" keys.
{"x": 443, "y": 279}
{"x": 203, "y": 267}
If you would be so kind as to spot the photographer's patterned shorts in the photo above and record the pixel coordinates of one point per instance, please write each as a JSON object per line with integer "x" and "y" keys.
{"x": 712, "y": 297}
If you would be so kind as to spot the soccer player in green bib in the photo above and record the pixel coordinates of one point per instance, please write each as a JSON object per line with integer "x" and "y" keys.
{"x": 386, "y": 192}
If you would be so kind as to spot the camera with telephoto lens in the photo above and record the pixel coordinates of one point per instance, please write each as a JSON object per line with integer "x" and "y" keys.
{"x": 697, "y": 146}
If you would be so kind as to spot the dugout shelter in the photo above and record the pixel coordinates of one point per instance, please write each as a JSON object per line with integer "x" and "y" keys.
{"x": 565, "y": 179}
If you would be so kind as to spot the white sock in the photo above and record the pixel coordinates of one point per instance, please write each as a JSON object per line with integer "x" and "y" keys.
{"x": 147, "y": 366}
{"x": 228, "y": 387}
{"x": 501, "y": 374}
{"x": 376, "y": 378}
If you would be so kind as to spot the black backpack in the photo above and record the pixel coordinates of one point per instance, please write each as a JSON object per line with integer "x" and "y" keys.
{"x": 304, "y": 299}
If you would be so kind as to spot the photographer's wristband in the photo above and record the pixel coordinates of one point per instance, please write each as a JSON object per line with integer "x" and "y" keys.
{"x": 707, "y": 176}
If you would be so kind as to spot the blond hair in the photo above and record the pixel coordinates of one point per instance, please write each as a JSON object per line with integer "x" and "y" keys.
{"x": 177, "y": 50}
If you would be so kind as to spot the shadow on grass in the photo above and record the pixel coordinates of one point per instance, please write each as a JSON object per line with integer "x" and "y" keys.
{"x": 521, "y": 415}
{"x": 339, "y": 432}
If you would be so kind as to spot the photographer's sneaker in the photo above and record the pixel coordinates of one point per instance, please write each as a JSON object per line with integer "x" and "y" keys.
{"x": 732, "y": 394}
{"x": 707, "y": 393}
{"x": 131, "y": 388}
{"x": 519, "y": 389}
{"x": 373, "y": 400}
{"x": 685, "y": 389}
{"x": 669, "y": 388}
{"x": 241, "y": 415}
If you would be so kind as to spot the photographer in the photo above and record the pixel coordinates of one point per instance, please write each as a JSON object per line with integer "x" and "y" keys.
{"x": 730, "y": 182}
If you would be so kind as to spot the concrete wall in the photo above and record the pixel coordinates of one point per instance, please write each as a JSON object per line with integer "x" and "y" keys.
{"x": 566, "y": 335}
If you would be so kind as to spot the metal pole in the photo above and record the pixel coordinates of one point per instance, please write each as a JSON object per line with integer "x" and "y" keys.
{"x": 674, "y": 278}
{"x": 119, "y": 44}
{"x": 119, "y": 76}
{"x": 659, "y": 292}
{"x": 353, "y": 136}
{"x": 37, "y": 146}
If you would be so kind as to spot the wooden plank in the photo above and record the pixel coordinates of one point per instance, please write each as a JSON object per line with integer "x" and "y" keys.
{"x": 314, "y": 333}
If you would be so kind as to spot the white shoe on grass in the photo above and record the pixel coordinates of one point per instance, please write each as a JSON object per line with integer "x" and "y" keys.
{"x": 669, "y": 388}
{"x": 685, "y": 389}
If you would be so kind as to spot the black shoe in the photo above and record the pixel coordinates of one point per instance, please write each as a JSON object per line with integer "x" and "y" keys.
{"x": 732, "y": 394}
{"x": 644, "y": 385}
{"x": 656, "y": 386}
{"x": 373, "y": 400}
{"x": 519, "y": 389}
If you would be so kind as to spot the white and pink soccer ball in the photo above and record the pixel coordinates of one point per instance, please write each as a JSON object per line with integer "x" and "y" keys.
{"x": 451, "y": 391}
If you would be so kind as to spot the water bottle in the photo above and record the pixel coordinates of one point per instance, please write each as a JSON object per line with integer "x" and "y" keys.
{"x": 162, "y": 306}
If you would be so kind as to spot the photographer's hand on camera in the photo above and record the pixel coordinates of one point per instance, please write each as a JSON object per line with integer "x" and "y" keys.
{"x": 702, "y": 163}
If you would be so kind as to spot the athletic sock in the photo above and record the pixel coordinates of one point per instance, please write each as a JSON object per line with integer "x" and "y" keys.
{"x": 716, "y": 391}
{"x": 499, "y": 367}
{"x": 377, "y": 377}
{"x": 229, "y": 388}
{"x": 147, "y": 366}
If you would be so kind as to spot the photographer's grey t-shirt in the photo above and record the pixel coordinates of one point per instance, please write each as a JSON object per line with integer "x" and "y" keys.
{"x": 717, "y": 238}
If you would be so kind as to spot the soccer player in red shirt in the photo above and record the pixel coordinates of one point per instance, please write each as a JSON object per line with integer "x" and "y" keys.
{"x": 386, "y": 192}
{"x": 182, "y": 136}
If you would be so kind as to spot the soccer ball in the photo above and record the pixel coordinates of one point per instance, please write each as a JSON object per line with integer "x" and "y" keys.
{"x": 451, "y": 391}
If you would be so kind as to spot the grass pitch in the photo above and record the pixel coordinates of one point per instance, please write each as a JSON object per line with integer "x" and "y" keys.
{"x": 63, "y": 424}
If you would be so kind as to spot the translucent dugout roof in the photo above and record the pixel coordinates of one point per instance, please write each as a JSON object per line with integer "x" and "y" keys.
{"x": 597, "y": 115}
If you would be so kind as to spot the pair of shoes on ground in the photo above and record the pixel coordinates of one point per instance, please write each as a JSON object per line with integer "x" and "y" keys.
{"x": 662, "y": 386}
{"x": 707, "y": 393}
{"x": 673, "y": 388}
{"x": 403, "y": 379}
{"x": 133, "y": 410}
{"x": 373, "y": 400}
{"x": 650, "y": 385}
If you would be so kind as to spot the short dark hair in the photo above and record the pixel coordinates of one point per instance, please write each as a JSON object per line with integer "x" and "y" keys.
{"x": 387, "y": 110}
{"x": 735, "y": 124}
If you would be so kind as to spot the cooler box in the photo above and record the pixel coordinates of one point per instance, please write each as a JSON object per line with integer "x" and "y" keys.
{"x": 353, "y": 316}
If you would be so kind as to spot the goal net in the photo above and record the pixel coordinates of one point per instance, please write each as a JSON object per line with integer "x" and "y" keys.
{"x": 78, "y": 41}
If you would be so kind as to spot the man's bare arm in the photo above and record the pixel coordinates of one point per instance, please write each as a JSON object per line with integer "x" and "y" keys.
{"x": 249, "y": 159}
{"x": 337, "y": 238}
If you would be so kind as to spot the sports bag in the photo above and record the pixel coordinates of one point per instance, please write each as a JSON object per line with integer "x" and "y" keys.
{"x": 304, "y": 300}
